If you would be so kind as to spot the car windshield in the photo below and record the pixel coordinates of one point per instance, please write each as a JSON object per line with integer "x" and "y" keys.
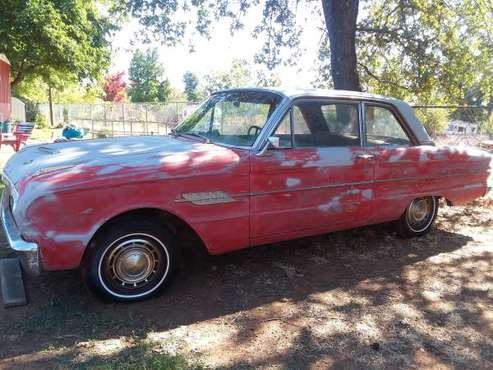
{"x": 232, "y": 118}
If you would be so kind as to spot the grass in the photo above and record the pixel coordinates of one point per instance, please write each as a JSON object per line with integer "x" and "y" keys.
{"x": 42, "y": 134}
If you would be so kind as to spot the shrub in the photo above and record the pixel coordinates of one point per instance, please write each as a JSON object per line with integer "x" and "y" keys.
{"x": 41, "y": 121}
{"x": 32, "y": 110}
{"x": 487, "y": 125}
{"x": 435, "y": 120}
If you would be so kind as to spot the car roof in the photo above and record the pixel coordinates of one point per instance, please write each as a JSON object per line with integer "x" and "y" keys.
{"x": 310, "y": 92}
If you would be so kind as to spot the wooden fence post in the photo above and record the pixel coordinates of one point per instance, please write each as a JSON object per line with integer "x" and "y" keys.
{"x": 92, "y": 121}
{"x": 146, "y": 124}
{"x": 123, "y": 119}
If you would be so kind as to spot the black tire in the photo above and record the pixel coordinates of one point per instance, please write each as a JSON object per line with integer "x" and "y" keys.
{"x": 130, "y": 261}
{"x": 409, "y": 225}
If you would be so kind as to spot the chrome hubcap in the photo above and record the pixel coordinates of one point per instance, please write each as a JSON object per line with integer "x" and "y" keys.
{"x": 419, "y": 210}
{"x": 419, "y": 213}
{"x": 133, "y": 262}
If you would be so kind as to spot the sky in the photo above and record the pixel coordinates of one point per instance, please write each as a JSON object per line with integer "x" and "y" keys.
{"x": 218, "y": 52}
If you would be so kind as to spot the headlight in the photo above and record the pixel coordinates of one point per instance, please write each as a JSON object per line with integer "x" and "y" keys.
{"x": 10, "y": 188}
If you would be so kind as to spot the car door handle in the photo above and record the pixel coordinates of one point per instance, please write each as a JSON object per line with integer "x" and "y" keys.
{"x": 365, "y": 156}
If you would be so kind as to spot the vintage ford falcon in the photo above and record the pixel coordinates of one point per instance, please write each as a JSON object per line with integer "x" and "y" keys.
{"x": 249, "y": 167}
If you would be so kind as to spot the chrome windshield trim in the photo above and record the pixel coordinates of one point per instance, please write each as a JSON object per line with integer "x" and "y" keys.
{"x": 271, "y": 124}
{"x": 252, "y": 89}
{"x": 26, "y": 251}
{"x": 272, "y": 118}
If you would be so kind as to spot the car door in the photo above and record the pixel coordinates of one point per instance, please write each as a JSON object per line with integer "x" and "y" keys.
{"x": 318, "y": 179}
{"x": 403, "y": 169}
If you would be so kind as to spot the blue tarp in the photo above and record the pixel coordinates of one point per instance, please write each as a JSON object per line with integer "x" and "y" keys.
{"x": 72, "y": 132}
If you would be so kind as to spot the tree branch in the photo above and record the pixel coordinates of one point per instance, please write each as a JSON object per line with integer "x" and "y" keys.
{"x": 379, "y": 79}
{"x": 18, "y": 77}
{"x": 375, "y": 30}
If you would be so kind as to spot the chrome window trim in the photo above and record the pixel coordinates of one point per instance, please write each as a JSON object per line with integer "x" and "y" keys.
{"x": 362, "y": 126}
{"x": 271, "y": 124}
{"x": 398, "y": 117}
{"x": 285, "y": 109}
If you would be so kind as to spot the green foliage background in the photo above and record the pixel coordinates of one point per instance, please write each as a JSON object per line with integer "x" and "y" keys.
{"x": 56, "y": 40}
{"x": 146, "y": 75}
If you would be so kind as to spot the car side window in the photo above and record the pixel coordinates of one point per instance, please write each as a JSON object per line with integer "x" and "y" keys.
{"x": 323, "y": 124}
{"x": 283, "y": 132}
{"x": 300, "y": 126}
{"x": 383, "y": 128}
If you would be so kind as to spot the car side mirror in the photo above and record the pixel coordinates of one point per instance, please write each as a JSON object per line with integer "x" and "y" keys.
{"x": 272, "y": 142}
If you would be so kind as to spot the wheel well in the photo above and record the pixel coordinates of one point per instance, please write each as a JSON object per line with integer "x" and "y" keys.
{"x": 186, "y": 235}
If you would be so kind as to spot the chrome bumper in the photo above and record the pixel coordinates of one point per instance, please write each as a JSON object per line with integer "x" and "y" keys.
{"x": 26, "y": 251}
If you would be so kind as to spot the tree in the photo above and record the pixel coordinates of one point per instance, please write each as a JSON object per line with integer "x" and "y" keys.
{"x": 114, "y": 88}
{"x": 267, "y": 79}
{"x": 191, "y": 86}
{"x": 430, "y": 50}
{"x": 237, "y": 76}
{"x": 34, "y": 89}
{"x": 66, "y": 38}
{"x": 277, "y": 25}
{"x": 340, "y": 20}
{"x": 146, "y": 74}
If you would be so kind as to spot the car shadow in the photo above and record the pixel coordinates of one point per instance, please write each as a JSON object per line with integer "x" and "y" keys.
{"x": 62, "y": 312}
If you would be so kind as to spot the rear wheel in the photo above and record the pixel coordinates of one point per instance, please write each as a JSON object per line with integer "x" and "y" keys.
{"x": 131, "y": 261}
{"x": 418, "y": 217}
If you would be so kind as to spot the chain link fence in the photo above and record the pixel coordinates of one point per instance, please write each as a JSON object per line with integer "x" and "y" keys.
{"x": 456, "y": 125}
{"x": 120, "y": 119}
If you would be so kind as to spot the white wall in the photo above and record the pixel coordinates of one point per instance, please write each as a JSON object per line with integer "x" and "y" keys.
{"x": 18, "y": 110}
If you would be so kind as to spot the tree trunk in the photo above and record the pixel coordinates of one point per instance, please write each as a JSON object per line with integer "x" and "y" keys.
{"x": 50, "y": 104}
{"x": 340, "y": 20}
{"x": 17, "y": 79}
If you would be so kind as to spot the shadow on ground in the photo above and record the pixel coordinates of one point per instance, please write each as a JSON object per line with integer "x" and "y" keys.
{"x": 354, "y": 299}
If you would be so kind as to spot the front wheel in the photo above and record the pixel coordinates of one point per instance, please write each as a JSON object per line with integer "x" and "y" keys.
{"x": 418, "y": 217}
{"x": 130, "y": 261}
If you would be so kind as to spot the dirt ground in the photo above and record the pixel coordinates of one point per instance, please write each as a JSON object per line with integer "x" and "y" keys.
{"x": 355, "y": 299}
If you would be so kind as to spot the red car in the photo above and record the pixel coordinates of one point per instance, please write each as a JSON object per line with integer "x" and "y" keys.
{"x": 249, "y": 167}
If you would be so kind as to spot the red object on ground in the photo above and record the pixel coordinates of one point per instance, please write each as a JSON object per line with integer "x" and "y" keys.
{"x": 5, "y": 99}
{"x": 18, "y": 137}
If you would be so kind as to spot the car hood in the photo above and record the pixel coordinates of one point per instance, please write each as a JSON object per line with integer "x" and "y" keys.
{"x": 103, "y": 158}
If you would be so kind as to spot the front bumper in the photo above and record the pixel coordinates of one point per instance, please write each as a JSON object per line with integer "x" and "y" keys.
{"x": 27, "y": 252}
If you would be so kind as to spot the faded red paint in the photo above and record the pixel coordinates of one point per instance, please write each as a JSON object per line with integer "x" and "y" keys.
{"x": 267, "y": 205}
{"x": 5, "y": 98}
{"x": 68, "y": 191}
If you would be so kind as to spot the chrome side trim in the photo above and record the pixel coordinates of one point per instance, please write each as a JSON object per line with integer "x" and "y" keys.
{"x": 217, "y": 197}
{"x": 205, "y": 198}
{"x": 26, "y": 251}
